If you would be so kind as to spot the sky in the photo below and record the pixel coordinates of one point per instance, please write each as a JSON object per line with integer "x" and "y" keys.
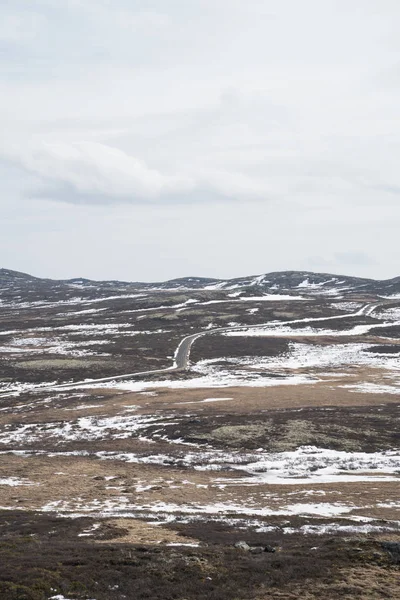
{"x": 148, "y": 140}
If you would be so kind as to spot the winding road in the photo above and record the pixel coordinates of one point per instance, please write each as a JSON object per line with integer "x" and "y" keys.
{"x": 182, "y": 353}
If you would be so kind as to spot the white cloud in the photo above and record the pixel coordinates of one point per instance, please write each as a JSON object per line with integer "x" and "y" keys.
{"x": 104, "y": 172}
{"x": 92, "y": 168}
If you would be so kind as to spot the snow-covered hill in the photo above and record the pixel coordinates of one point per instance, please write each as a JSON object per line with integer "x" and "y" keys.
{"x": 21, "y": 286}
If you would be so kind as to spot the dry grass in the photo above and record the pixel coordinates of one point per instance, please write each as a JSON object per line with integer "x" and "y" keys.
{"x": 250, "y": 399}
{"x": 362, "y": 583}
{"x": 133, "y": 531}
{"x": 81, "y": 481}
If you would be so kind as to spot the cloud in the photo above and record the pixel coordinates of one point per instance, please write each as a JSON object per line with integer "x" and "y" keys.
{"x": 354, "y": 258}
{"x": 93, "y": 172}
{"x": 93, "y": 169}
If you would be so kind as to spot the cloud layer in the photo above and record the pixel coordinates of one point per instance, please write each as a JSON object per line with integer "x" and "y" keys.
{"x": 286, "y": 111}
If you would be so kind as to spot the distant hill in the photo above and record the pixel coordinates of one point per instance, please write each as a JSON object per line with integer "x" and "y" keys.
{"x": 15, "y": 285}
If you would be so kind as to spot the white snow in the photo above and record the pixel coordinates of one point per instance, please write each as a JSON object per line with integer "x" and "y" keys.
{"x": 373, "y": 388}
{"x": 70, "y": 301}
{"x": 322, "y": 509}
{"x": 271, "y": 298}
{"x": 258, "y": 280}
{"x": 300, "y": 356}
{"x": 307, "y": 464}
{"x": 312, "y": 464}
{"x": 84, "y": 407}
{"x": 391, "y": 314}
{"x": 347, "y": 306}
{"x": 353, "y": 528}
{"x": 14, "y": 481}
{"x": 61, "y": 597}
{"x": 119, "y": 506}
{"x": 391, "y": 297}
{"x": 52, "y": 345}
{"x": 306, "y": 284}
{"x": 206, "y": 400}
{"x": 88, "y": 311}
{"x": 264, "y": 298}
{"x": 84, "y": 428}
{"x": 90, "y": 531}
{"x": 172, "y": 544}
{"x": 215, "y": 379}
{"x": 287, "y": 331}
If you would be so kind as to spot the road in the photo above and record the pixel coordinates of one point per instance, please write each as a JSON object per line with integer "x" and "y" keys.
{"x": 182, "y": 353}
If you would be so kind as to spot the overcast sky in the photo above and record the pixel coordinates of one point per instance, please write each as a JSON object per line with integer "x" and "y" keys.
{"x": 152, "y": 139}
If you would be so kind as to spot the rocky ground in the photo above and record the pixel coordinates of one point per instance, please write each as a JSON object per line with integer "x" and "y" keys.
{"x": 268, "y": 468}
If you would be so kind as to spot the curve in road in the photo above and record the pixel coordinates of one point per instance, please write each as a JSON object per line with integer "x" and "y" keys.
{"x": 182, "y": 353}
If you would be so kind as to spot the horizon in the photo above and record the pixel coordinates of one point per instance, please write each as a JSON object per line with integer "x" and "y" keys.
{"x": 250, "y": 275}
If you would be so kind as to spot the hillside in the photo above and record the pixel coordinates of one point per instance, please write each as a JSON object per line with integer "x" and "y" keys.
{"x": 14, "y": 283}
